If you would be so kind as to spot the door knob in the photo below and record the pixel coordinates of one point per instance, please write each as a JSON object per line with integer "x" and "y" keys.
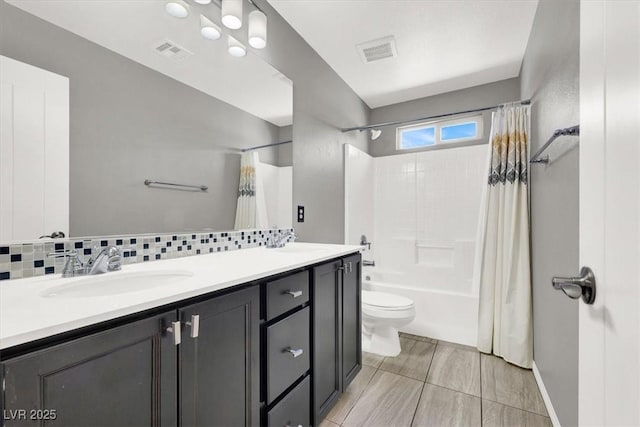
{"x": 575, "y": 287}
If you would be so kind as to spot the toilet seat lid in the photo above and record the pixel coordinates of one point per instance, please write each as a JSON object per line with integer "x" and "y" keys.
{"x": 383, "y": 300}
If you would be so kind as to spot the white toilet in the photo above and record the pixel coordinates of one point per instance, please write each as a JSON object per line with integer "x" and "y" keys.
{"x": 382, "y": 315}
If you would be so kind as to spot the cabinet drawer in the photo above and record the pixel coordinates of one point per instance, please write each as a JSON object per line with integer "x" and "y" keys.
{"x": 287, "y": 352}
{"x": 287, "y": 293}
{"x": 294, "y": 409}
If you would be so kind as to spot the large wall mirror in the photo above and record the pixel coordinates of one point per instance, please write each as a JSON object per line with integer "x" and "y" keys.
{"x": 100, "y": 96}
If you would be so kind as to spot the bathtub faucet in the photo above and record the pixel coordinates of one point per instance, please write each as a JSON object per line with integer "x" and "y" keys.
{"x": 366, "y": 263}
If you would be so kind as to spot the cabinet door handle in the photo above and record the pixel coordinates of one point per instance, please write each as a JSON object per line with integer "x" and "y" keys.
{"x": 294, "y": 294}
{"x": 175, "y": 330}
{"x": 350, "y": 266}
{"x": 295, "y": 352}
{"x": 289, "y": 425}
{"x": 341, "y": 268}
{"x": 195, "y": 325}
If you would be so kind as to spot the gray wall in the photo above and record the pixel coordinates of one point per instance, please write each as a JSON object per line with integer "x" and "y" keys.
{"x": 285, "y": 152}
{"x": 322, "y": 104}
{"x": 129, "y": 123}
{"x": 464, "y": 99}
{"x": 550, "y": 76}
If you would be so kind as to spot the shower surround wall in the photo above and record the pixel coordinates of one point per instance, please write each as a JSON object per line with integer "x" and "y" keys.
{"x": 425, "y": 217}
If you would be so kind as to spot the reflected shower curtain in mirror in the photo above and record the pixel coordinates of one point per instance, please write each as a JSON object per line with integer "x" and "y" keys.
{"x": 502, "y": 263}
{"x": 251, "y": 209}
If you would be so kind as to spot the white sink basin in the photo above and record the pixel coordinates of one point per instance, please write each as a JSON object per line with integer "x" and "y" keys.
{"x": 115, "y": 284}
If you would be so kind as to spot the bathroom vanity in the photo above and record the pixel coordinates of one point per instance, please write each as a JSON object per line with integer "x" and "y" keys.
{"x": 250, "y": 337}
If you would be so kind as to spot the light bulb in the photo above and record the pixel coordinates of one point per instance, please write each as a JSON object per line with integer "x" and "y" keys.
{"x": 232, "y": 13}
{"x": 236, "y": 48}
{"x": 208, "y": 29}
{"x": 177, "y": 9}
{"x": 257, "y": 29}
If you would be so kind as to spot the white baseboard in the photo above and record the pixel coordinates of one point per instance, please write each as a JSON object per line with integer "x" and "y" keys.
{"x": 545, "y": 396}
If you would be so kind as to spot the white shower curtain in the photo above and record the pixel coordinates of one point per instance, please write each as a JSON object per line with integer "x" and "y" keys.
{"x": 502, "y": 263}
{"x": 251, "y": 207}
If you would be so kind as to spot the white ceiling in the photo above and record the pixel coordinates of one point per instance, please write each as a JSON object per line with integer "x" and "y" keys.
{"x": 442, "y": 45}
{"x": 132, "y": 28}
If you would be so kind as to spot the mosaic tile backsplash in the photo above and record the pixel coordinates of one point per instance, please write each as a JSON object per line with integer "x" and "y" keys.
{"x": 30, "y": 259}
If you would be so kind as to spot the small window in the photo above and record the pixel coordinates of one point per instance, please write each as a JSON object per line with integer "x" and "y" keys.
{"x": 418, "y": 137}
{"x": 444, "y": 132}
{"x": 459, "y": 132}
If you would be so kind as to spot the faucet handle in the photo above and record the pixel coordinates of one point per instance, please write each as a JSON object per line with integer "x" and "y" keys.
{"x": 73, "y": 266}
{"x": 115, "y": 258}
{"x": 69, "y": 252}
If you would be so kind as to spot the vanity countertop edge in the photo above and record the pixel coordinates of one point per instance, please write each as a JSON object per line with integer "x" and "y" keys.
{"x": 27, "y": 315}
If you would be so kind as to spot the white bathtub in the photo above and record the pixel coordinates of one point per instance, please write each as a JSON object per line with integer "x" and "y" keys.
{"x": 441, "y": 315}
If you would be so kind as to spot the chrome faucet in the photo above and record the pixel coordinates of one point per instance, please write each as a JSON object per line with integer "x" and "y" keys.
{"x": 278, "y": 240}
{"x": 108, "y": 259}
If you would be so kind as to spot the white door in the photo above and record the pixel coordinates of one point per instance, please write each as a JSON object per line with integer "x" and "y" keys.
{"x": 609, "y": 365}
{"x": 34, "y": 151}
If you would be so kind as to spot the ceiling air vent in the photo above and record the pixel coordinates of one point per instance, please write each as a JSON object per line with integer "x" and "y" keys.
{"x": 171, "y": 50}
{"x": 378, "y": 49}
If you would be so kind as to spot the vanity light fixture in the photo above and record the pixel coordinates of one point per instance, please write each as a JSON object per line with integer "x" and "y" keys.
{"x": 257, "y": 29}
{"x": 375, "y": 134}
{"x": 177, "y": 8}
{"x": 236, "y": 48}
{"x": 208, "y": 29}
{"x": 232, "y": 14}
{"x": 202, "y": 1}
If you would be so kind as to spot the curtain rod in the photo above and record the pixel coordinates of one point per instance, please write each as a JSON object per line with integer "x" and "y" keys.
{"x": 438, "y": 116}
{"x": 265, "y": 146}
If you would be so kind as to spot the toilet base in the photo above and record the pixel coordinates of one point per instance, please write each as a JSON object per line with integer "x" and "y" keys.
{"x": 384, "y": 341}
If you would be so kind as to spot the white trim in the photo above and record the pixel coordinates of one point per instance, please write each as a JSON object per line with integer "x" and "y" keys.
{"x": 545, "y": 396}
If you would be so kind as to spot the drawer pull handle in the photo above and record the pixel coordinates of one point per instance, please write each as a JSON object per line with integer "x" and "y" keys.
{"x": 289, "y": 425}
{"x": 296, "y": 352}
{"x": 175, "y": 330}
{"x": 294, "y": 294}
{"x": 195, "y": 325}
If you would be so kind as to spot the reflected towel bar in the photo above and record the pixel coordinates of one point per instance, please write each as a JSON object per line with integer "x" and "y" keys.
{"x": 573, "y": 130}
{"x": 199, "y": 187}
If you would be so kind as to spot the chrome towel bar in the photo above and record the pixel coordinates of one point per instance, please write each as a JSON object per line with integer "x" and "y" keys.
{"x": 170, "y": 184}
{"x": 573, "y": 130}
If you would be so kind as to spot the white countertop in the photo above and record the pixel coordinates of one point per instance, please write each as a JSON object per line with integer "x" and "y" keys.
{"x": 27, "y": 315}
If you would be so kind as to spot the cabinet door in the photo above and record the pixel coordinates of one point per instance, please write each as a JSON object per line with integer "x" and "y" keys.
{"x": 351, "y": 319}
{"x": 125, "y": 376}
{"x": 220, "y": 368}
{"x": 327, "y": 283}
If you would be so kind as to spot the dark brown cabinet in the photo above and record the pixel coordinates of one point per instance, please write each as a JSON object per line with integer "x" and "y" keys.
{"x": 337, "y": 340}
{"x": 136, "y": 375}
{"x": 276, "y": 352}
{"x": 125, "y": 376}
{"x": 351, "y": 325}
{"x": 220, "y": 366}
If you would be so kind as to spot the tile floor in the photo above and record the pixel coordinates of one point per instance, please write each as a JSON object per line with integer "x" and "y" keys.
{"x": 436, "y": 383}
